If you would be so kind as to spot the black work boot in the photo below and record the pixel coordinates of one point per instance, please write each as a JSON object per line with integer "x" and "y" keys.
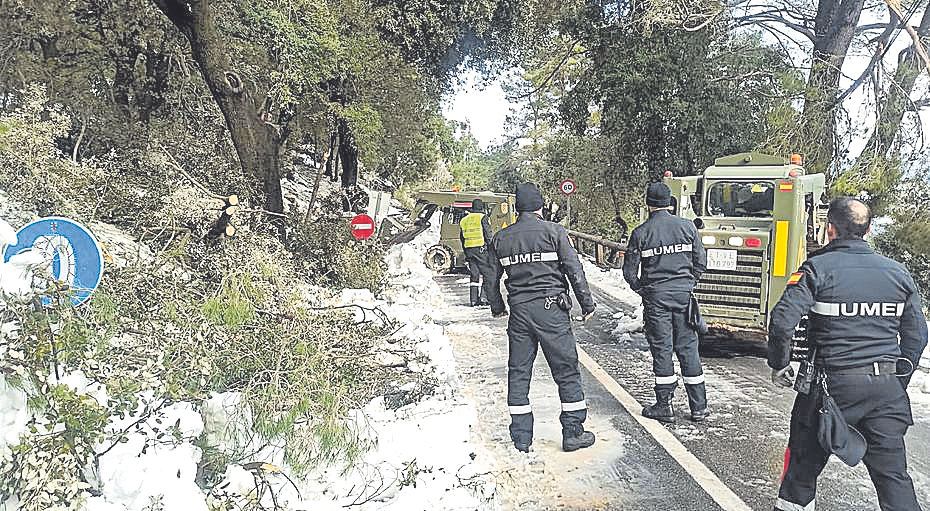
{"x": 474, "y": 296}
{"x": 522, "y": 447}
{"x": 576, "y": 438}
{"x": 662, "y": 410}
{"x": 700, "y": 415}
{"x": 697, "y": 401}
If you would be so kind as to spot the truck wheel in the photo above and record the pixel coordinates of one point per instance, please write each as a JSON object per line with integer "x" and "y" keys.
{"x": 439, "y": 258}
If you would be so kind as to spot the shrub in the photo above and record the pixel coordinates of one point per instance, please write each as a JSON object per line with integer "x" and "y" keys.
{"x": 324, "y": 250}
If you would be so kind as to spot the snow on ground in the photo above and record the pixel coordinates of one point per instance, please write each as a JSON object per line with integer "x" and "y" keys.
{"x": 546, "y": 478}
{"x": 612, "y": 283}
{"x": 421, "y": 456}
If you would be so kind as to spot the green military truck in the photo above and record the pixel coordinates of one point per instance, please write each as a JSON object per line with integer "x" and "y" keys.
{"x": 453, "y": 206}
{"x": 758, "y": 216}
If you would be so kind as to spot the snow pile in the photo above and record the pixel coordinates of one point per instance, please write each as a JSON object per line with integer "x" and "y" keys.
{"x": 421, "y": 453}
{"x": 612, "y": 283}
{"x": 13, "y": 415}
{"x": 146, "y": 467}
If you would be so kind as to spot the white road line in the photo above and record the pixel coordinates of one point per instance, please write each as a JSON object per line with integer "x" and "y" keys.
{"x": 714, "y": 487}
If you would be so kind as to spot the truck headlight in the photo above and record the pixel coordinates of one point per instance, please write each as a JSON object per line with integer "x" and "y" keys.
{"x": 708, "y": 240}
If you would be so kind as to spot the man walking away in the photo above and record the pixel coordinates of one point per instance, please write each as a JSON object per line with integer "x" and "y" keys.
{"x": 866, "y": 327}
{"x": 540, "y": 263}
{"x": 475, "y": 235}
{"x": 664, "y": 260}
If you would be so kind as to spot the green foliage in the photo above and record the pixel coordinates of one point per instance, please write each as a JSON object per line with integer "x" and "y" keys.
{"x": 232, "y": 306}
{"x": 326, "y": 253}
{"x": 907, "y": 238}
{"x": 908, "y": 241}
{"x": 615, "y": 105}
{"x": 470, "y": 166}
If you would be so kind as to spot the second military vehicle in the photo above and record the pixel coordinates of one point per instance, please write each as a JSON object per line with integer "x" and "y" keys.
{"x": 758, "y": 216}
{"x": 453, "y": 206}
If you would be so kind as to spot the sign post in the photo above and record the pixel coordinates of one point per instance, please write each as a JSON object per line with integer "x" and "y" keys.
{"x": 362, "y": 226}
{"x": 568, "y": 188}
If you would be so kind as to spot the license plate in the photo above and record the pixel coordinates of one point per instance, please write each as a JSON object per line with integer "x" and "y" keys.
{"x": 719, "y": 259}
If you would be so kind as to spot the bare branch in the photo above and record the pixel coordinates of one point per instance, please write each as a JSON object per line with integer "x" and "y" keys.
{"x": 881, "y": 49}
{"x": 895, "y": 6}
{"x": 778, "y": 16}
{"x": 570, "y": 53}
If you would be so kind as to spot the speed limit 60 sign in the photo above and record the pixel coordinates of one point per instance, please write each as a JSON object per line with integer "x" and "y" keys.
{"x": 567, "y": 187}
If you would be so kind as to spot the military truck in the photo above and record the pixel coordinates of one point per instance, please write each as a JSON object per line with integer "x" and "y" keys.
{"x": 758, "y": 216}
{"x": 453, "y": 206}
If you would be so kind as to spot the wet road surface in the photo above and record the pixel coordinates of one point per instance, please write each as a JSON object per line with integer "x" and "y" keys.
{"x": 742, "y": 443}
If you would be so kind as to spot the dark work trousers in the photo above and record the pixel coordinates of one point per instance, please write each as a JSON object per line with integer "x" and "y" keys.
{"x": 532, "y": 324}
{"x": 667, "y": 331}
{"x": 880, "y": 409}
{"x": 480, "y": 269}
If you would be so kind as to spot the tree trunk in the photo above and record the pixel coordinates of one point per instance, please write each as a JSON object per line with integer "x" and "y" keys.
{"x": 332, "y": 163}
{"x": 348, "y": 152}
{"x": 834, "y": 30}
{"x": 895, "y": 101}
{"x": 257, "y": 142}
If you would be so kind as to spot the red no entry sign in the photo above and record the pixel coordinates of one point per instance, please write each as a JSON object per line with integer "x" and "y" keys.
{"x": 363, "y": 226}
{"x": 567, "y": 187}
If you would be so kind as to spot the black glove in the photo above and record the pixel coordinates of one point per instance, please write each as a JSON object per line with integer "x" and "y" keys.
{"x": 783, "y": 377}
{"x": 586, "y": 314}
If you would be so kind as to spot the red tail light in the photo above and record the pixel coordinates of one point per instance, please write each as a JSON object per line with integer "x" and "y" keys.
{"x": 753, "y": 242}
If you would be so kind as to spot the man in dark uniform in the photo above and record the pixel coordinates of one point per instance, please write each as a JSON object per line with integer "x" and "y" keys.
{"x": 664, "y": 260}
{"x": 866, "y": 325}
{"x": 475, "y": 236}
{"x": 540, "y": 263}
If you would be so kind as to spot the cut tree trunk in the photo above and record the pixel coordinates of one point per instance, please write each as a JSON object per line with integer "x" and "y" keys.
{"x": 257, "y": 142}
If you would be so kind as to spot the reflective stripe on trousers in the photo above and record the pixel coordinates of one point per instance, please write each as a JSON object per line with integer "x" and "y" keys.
{"x": 784, "y": 505}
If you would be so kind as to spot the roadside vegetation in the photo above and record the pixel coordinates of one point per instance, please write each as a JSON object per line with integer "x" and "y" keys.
{"x": 145, "y": 118}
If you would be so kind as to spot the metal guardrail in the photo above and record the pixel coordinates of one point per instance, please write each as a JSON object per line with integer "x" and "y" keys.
{"x": 605, "y": 253}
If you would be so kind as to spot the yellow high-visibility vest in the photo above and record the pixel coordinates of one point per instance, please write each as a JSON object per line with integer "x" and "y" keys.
{"x": 472, "y": 231}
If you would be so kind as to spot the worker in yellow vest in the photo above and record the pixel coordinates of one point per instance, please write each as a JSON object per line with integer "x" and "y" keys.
{"x": 476, "y": 234}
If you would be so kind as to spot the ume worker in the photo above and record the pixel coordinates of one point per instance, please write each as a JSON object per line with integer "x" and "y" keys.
{"x": 866, "y": 325}
{"x": 475, "y": 236}
{"x": 540, "y": 262}
{"x": 664, "y": 260}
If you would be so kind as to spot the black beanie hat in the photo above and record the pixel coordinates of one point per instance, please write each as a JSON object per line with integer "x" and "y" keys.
{"x": 529, "y": 198}
{"x": 477, "y": 206}
{"x": 658, "y": 195}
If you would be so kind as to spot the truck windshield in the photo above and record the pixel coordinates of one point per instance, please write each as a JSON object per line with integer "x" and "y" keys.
{"x": 741, "y": 198}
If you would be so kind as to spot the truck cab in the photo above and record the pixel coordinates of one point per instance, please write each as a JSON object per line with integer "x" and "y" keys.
{"x": 758, "y": 216}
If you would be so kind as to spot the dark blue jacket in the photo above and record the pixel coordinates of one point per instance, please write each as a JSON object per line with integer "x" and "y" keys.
{"x": 539, "y": 261}
{"x": 862, "y": 308}
{"x": 664, "y": 259}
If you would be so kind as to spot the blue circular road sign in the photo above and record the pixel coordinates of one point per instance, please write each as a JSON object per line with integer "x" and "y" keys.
{"x": 71, "y": 252}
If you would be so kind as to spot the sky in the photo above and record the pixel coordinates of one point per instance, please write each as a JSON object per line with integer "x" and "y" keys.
{"x": 485, "y": 106}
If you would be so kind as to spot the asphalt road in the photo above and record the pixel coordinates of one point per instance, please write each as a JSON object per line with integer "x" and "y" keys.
{"x": 742, "y": 444}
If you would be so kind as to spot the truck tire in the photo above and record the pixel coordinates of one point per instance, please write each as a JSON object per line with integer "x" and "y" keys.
{"x": 439, "y": 258}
